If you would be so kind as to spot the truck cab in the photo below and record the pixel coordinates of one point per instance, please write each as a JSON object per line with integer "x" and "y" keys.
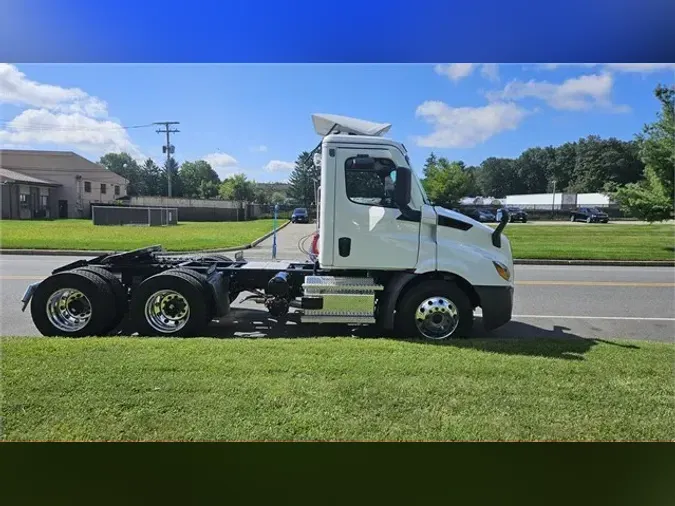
{"x": 384, "y": 255}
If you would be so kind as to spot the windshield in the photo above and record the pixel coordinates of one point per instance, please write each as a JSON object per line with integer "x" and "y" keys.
{"x": 513, "y": 209}
{"x": 300, "y": 211}
{"x": 594, "y": 210}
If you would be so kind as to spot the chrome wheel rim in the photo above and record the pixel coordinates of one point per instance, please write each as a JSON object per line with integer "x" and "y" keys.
{"x": 68, "y": 310}
{"x": 167, "y": 311}
{"x": 437, "y": 318}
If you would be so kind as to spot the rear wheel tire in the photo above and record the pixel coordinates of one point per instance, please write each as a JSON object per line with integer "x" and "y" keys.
{"x": 172, "y": 304}
{"x": 203, "y": 281}
{"x": 588, "y": 220}
{"x": 72, "y": 304}
{"x": 118, "y": 290}
{"x": 435, "y": 311}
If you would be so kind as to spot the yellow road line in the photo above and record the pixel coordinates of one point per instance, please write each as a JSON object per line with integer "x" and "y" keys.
{"x": 598, "y": 283}
{"x": 627, "y": 284}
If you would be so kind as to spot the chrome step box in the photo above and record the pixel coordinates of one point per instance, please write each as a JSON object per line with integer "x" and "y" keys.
{"x": 345, "y": 300}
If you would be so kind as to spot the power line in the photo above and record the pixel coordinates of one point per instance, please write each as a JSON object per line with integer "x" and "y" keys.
{"x": 66, "y": 128}
{"x": 168, "y": 148}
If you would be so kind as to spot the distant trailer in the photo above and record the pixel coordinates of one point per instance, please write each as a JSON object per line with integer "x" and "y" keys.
{"x": 139, "y": 216}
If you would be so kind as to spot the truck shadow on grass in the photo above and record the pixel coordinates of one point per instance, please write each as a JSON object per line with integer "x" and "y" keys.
{"x": 515, "y": 338}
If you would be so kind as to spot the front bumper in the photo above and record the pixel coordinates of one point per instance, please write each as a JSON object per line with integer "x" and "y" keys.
{"x": 496, "y": 303}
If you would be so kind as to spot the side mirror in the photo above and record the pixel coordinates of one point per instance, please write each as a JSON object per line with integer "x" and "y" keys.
{"x": 402, "y": 189}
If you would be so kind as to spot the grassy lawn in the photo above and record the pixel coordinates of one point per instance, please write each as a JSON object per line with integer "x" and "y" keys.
{"x": 336, "y": 389}
{"x": 83, "y": 235}
{"x": 593, "y": 241}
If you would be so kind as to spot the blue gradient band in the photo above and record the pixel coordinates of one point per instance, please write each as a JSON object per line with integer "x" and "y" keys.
{"x": 338, "y": 31}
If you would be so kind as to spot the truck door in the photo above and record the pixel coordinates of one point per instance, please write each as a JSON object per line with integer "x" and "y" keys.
{"x": 368, "y": 232}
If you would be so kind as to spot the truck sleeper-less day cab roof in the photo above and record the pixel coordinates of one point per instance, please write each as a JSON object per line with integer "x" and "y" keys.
{"x": 386, "y": 256}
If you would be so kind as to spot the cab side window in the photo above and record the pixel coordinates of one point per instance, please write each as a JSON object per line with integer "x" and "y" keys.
{"x": 371, "y": 187}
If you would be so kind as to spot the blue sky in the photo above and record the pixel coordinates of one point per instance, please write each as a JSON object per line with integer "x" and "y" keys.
{"x": 256, "y": 118}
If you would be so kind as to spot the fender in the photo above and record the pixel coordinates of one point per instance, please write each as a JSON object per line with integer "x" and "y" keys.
{"x": 386, "y": 304}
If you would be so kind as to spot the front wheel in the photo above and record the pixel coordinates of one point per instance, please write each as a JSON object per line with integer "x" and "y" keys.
{"x": 435, "y": 311}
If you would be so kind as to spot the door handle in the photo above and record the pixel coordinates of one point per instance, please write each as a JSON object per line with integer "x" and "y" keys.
{"x": 344, "y": 246}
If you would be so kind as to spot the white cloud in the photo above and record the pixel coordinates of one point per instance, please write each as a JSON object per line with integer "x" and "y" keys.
{"x": 278, "y": 166}
{"x": 40, "y": 126}
{"x": 640, "y": 67}
{"x": 464, "y": 127}
{"x": 490, "y": 71}
{"x": 457, "y": 71}
{"x": 643, "y": 68}
{"x": 259, "y": 149}
{"x": 17, "y": 89}
{"x": 575, "y": 94}
{"x": 220, "y": 160}
{"x": 69, "y": 118}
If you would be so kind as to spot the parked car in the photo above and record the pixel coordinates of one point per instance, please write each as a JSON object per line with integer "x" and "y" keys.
{"x": 480, "y": 215}
{"x": 589, "y": 215}
{"x": 487, "y": 216}
{"x": 515, "y": 214}
{"x": 300, "y": 215}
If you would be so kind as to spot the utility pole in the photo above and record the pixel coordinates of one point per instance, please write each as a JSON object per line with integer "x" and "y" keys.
{"x": 168, "y": 148}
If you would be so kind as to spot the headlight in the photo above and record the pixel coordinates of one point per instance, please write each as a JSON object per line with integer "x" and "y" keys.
{"x": 502, "y": 270}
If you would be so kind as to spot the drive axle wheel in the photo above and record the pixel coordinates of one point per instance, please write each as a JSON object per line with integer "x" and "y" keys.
{"x": 119, "y": 292}
{"x": 435, "y": 311}
{"x": 72, "y": 304}
{"x": 170, "y": 304}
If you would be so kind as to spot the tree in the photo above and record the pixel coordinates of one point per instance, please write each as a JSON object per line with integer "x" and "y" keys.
{"x": 599, "y": 161}
{"x": 238, "y": 188}
{"x": 199, "y": 180}
{"x": 534, "y": 167}
{"x": 124, "y": 165}
{"x": 445, "y": 182}
{"x": 302, "y": 181}
{"x": 657, "y": 142}
{"x": 498, "y": 177}
{"x": 152, "y": 178}
{"x": 651, "y": 199}
{"x": 171, "y": 166}
{"x": 262, "y": 194}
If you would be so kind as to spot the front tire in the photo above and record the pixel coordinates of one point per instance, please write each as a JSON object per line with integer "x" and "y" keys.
{"x": 435, "y": 311}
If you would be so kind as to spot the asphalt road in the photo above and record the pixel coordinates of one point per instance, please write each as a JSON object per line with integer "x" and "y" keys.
{"x": 550, "y": 301}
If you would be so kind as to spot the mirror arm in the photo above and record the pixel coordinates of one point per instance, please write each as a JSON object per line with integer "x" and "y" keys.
{"x": 410, "y": 214}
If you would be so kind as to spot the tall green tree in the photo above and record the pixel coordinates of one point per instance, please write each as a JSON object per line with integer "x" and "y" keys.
{"x": 498, "y": 177}
{"x": 152, "y": 178}
{"x": 599, "y": 161}
{"x": 171, "y": 166}
{"x": 238, "y": 188}
{"x": 198, "y": 179}
{"x": 445, "y": 182}
{"x": 124, "y": 165}
{"x": 652, "y": 199}
{"x": 534, "y": 167}
{"x": 302, "y": 181}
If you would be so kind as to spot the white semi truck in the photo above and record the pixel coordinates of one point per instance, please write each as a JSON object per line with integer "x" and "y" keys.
{"x": 386, "y": 256}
